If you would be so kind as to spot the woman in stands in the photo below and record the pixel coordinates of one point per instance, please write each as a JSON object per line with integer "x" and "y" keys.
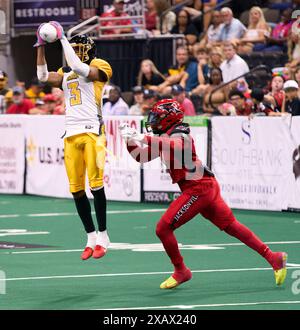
{"x": 185, "y": 26}
{"x": 219, "y": 97}
{"x": 168, "y": 20}
{"x": 255, "y": 37}
{"x": 150, "y": 15}
{"x": 149, "y": 77}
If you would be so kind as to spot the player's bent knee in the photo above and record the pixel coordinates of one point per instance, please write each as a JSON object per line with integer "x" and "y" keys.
{"x": 97, "y": 191}
{"x": 78, "y": 194}
{"x": 162, "y": 228}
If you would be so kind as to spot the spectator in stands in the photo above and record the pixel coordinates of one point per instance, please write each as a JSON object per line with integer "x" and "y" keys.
{"x": 60, "y": 101}
{"x": 202, "y": 56}
{"x": 217, "y": 98}
{"x": 149, "y": 76}
{"x": 241, "y": 105}
{"x": 208, "y": 5}
{"x": 150, "y": 15}
{"x": 165, "y": 23}
{"x": 50, "y": 104}
{"x": 150, "y": 98}
{"x": 39, "y": 108}
{"x": 212, "y": 34}
{"x": 194, "y": 9}
{"x": 116, "y": 11}
{"x": 9, "y": 94}
{"x": 35, "y": 91}
{"x": 279, "y": 36}
{"x": 179, "y": 95}
{"x": 276, "y": 95}
{"x": 185, "y": 73}
{"x": 261, "y": 106}
{"x": 20, "y": 105}
{"x": 232, "y": 29}
{"x": 255, "y": 37}
{"x": 115, "y": 106}
{"x": 3, "y": 83}
{"x": 292, "y": 101}
{"x": 185, "y": 26}
{"x": 233, "y": 66}
{"x": 136, "y": 108}
{"x": 216, "y": 57}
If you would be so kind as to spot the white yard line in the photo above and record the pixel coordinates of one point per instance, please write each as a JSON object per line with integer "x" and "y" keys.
{"x": 209, "y": 305}
{"x": 137, "y": 274}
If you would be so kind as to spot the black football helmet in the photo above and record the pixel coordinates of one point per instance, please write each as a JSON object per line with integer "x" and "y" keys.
{"x": 84, "y": 47}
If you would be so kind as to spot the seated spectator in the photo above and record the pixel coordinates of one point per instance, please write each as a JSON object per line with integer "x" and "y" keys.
{"x": 116, "y": 11}
{"x": 178, "y": 94}
{"x": 261, "y": 106}
{"x": 202, "y": 56}
{"x": 211, "y": 36}
{"x": 149, "y": 76}
{"x": 276, "y": 95}
{"x": 165, "y": 23}
{"x": 255, "y": 37}
{"x": 20, "y": 105}
{"x": 50, "y": 104}
{"x": 35, "y": 91}
{"x": 233, "y": 66}
{"x": 150, "y": 15}
{"x": 3, "y": 83}
{"x": 216, "y": 57}
{"x": 39, "y": 108}
{"x": 232, "y": 29}
{"x": 9, "y": 94}
{"x": 150, "y": 98}
{"x": 279, "y": 36}
{"x": 217, "y": 98}
{"x": 138, "y": 94}
{"x": 115, "y": 106}
{"x": 208, "y": 5}
{"x": 185, "y": 26}
{"x": 59, "y": 101}
{"x": 292, "y": 101}
{"x": 185, "y": 73}
{"x": 194, "y": 9}
{"x": 241, "y": 105}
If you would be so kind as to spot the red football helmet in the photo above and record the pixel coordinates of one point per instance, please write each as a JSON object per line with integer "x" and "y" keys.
{"x": 164, "y": 115}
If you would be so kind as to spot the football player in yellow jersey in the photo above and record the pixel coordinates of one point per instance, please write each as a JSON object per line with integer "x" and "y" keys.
{"x": 84, "y": 141}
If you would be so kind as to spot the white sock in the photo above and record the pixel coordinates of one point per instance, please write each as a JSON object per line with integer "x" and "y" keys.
{"x": 103, "y": 239}
{"x": 91, "y": 240}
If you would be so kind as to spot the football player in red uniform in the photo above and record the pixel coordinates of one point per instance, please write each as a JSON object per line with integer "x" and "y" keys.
{"x": 171, "y": 140}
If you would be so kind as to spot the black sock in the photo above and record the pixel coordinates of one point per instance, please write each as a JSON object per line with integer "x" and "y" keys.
{"x": 84, "y": 210}
{"x": 100, "y": 207}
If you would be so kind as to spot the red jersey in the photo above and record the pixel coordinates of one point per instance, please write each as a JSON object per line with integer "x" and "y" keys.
{"x": 177, "y": 150}
{"x": 114, "y": 22}
{"x": 22, "y": 108}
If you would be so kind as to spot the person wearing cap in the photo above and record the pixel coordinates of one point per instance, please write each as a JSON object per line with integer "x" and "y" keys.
{"x": 115, "y": 106}
{"x": 116, "y": 11}
{"x": 179, "y": 95}
{"x": 292, "y": 102}
{"x": 150, "y": 98}
{"x": 39, "y": 108}
{"x": 20, "y": 105}
{"x": 35, "y": 91}
{"x": 138, "y": 94}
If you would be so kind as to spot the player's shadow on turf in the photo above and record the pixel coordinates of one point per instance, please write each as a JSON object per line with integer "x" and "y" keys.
{"x": 73, "y": 301}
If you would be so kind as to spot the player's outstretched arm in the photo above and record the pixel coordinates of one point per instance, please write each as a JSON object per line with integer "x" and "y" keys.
{"x": 52, "y": 78}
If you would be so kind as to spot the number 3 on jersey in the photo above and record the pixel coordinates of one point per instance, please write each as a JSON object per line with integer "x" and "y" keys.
{"x": 75, "y": 93}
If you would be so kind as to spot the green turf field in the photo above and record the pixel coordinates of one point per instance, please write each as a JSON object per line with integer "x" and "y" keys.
{"x": 226, "y": 274}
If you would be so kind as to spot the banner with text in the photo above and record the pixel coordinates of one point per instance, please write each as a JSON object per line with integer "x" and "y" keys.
{"x": 251, "y": 160}
{"x": 12, "y": 160}
{"x": 158, "y": 185}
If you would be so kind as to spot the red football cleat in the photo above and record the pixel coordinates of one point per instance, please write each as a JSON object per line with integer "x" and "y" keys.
{"x": 99, "y": 252}
{"x": 87, "y": 253}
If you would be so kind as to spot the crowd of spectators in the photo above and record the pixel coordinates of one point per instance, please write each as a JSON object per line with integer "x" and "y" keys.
{"x": 210, "y": 56}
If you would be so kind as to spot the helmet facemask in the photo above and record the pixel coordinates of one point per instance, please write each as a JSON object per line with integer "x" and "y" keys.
{"x": 81, "y": 51}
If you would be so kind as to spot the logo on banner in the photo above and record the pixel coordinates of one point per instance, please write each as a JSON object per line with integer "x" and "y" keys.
{"x": 31, "y": 150}
{"x": 128, "y": 185}
{"x": 246, "y": 130}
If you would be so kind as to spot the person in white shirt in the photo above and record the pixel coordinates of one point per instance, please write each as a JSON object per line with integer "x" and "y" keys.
{"x": 115, "y": 106}
{"x": 233, "y": 66}
{"x": 138, "y": 94}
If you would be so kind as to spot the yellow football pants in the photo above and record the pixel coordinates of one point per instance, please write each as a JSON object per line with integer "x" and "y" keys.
{"x": 85, "y": 152}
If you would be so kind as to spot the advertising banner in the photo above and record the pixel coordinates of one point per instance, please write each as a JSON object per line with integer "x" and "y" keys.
{"x": 12, "y": 160}
{"x": 28, "y": 13}
{"x": 251, "y": 159}
{"x": 158, "y": 185}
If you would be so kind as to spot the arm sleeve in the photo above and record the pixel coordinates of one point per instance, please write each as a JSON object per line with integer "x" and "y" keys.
{"x": 164, "y": 143}
{"x": 141, "y": 155}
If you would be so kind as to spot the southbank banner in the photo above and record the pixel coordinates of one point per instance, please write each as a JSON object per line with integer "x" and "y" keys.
{"x": 12, "y": 160}
{"x": 157, "y": 182}
{"x": 28, "y": 13}
{"x": 252, "y": 161}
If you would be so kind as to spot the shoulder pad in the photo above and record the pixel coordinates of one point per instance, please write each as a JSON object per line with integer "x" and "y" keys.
{"x": 181, "y": 128}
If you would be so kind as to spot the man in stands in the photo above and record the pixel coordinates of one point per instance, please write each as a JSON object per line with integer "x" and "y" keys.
{"x": 20, "y": 105}
{"x": 115, "y": 106}
{"x": 178, "y": 94}
{"x": 116, "y": 11}
{"x": 292, "y": 104}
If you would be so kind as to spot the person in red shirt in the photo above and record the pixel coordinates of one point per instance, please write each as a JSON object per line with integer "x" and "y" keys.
{"x": 20, "y": 105}
{"x": 178, "y": 94}
{"x": 200, "y": 190}
{"x": 117, "y": 11}
{"x": 150, "y": 15}
{"x": 243, "y": 107}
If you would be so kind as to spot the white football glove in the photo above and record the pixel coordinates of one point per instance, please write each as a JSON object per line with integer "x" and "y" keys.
{"x": 130, "y": 134}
